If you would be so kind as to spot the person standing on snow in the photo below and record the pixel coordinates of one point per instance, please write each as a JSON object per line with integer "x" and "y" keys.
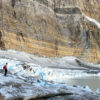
{"x": 5, "y": 69}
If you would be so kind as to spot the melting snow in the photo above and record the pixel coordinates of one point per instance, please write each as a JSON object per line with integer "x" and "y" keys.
{"x": 93, "y": 20}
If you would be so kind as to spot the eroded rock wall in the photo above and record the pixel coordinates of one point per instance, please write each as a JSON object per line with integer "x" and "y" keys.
{"x": 51, "y": 27}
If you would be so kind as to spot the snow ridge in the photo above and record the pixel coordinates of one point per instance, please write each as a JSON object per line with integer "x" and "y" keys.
{"x": 93, "y": 20}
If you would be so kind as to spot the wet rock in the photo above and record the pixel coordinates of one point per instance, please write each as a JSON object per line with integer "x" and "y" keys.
{"x": 26, "y": 66}
{"x": 92, "y": 72}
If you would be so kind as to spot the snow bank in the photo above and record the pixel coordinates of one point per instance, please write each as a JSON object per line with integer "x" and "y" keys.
{"x": 93, "y": 20}
{"x": 45, "y": 68}
{"x": 62, "y": 63}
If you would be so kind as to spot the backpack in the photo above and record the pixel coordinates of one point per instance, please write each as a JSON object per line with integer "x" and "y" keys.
{"x": 4, "y": 67}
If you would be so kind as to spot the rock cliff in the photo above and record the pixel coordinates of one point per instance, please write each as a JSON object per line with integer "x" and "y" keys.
{"x": 51, "y": 27}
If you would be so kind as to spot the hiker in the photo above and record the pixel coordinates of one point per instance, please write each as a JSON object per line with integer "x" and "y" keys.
{"x": 5, "y": 69}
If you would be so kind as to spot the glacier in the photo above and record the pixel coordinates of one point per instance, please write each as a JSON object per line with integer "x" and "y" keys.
{"x": 30, "y": 76}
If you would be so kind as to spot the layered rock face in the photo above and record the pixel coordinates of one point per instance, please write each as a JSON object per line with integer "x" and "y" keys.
{"x": 52, "y": 28}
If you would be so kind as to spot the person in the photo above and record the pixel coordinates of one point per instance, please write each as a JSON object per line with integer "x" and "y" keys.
{"x": 5, "y": 69}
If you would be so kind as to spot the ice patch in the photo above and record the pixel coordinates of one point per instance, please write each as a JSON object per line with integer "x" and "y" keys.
{"x": 98, "y": 91}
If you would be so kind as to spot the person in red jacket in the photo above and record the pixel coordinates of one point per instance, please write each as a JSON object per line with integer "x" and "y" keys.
{"x": 5, "y": 69}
